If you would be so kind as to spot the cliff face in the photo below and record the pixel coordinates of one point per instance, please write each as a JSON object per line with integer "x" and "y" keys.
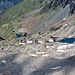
{"x": 5, "y": 4}
{"x": 59, "y": 3}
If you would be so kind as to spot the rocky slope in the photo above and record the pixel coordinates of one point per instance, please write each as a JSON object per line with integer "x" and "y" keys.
{"x": 45, "y": 44}
{"x": 43, "y": 58}
{"x": 54, "y": 4}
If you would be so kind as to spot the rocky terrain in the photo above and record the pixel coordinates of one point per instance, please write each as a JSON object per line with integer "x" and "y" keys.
{"x": 59, "y": 3}
{"x": 39, "y": 43}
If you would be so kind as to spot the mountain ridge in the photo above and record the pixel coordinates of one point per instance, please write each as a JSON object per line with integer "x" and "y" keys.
{"x": 59, "y": 3}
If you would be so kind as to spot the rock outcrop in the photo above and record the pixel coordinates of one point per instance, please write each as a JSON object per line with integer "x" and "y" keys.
{"x": 54, "y": 4}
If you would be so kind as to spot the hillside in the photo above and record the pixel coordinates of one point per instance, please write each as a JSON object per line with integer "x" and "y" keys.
{"x": 59, "y": 4}
{"x": 27, "y": 6}
{"x": 37, "y": 37}
{"x": 5, "y": 4}
{"x": 21, "y": 8}
{"x": 32, "y": 16}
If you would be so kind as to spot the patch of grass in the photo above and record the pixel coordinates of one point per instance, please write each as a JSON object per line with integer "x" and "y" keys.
{"x": 37, "y": 14}
{"x": 19, "y": 26}
{"x": 19, "y": 20}
{"x": 7, "y": 31}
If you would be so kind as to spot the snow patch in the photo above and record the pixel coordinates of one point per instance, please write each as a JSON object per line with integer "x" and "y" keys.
{"x": 56, "y": 68}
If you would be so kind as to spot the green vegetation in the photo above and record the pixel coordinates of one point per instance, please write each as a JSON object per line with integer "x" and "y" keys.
{"x": 6, "y": 30}
{"x": 19, "y": 20}
{"x": 18, "y": 10}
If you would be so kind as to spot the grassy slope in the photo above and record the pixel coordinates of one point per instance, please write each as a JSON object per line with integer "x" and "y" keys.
{"x": 6, "y": 30}
{"x": 19, "y": 9}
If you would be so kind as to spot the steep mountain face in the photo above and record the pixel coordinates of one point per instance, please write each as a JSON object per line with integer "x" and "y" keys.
{"x": 59, "y": 3}
{"x": 5, "y": 4}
